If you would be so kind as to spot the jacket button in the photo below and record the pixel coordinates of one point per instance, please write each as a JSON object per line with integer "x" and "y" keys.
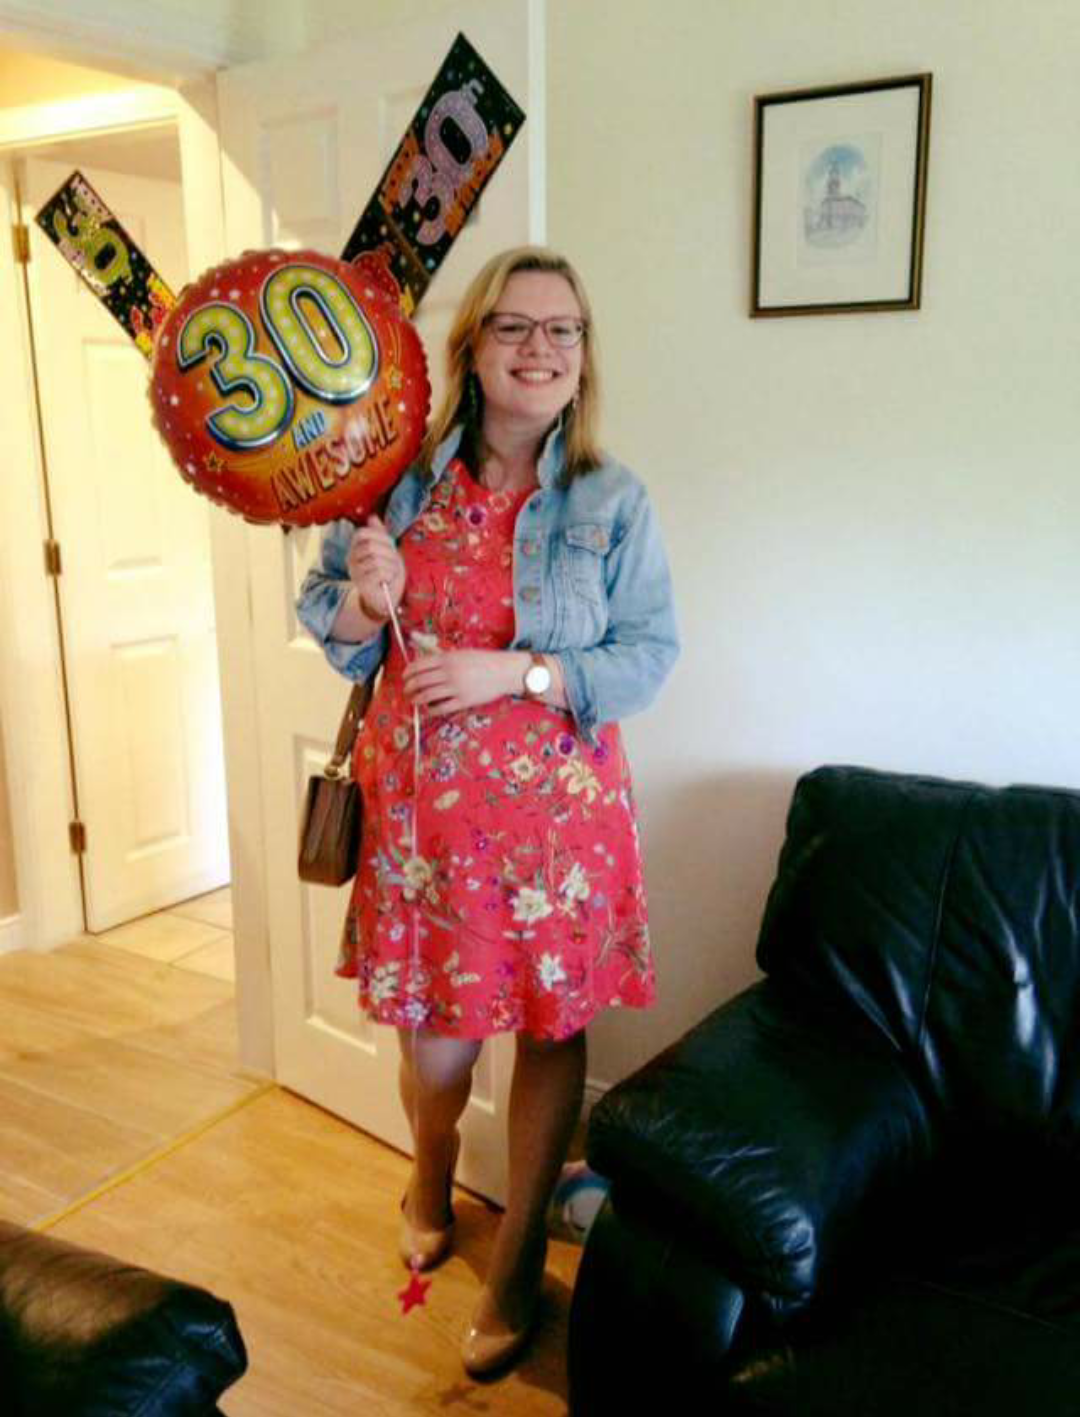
{"x": 530, "y": 593}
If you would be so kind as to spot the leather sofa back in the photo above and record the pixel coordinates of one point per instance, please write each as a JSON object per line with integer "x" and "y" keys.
{"x": 948, "y": 914}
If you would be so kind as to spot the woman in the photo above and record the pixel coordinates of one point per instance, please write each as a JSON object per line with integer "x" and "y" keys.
{"x": 527, "y": 574}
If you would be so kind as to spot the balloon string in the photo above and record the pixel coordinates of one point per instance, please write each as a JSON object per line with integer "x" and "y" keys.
{"x": 415, "y": 710}
{"x": 417, "y": 875}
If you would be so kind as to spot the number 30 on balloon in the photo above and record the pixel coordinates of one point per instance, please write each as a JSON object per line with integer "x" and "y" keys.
{"x": 225, "y": 331}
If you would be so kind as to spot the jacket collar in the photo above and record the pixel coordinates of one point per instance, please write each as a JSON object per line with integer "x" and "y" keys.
{"x": 549, "y": 466}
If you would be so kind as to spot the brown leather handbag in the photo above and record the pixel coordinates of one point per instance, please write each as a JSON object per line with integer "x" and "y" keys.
{"x": 333, "y": 810}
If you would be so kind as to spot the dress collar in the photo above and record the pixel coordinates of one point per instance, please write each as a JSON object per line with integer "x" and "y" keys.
{"x": 549, "y": 465}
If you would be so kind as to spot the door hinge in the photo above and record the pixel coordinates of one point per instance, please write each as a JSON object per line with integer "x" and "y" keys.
{"x": 77, "y": 837}
{"x": 21, "y": 237}
{"x": 52, "y": 558}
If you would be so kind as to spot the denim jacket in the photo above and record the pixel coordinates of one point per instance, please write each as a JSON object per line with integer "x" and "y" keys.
{"x": 591, "y": 583}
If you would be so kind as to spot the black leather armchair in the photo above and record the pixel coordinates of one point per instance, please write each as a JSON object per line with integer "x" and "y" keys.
{"x": 85, "y": 1335}
{"x": 855, "y": 1187}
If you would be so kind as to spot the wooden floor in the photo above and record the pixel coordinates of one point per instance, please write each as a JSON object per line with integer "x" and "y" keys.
{"x": 129, "y": 1127}
{"x": 110, "y": 1048}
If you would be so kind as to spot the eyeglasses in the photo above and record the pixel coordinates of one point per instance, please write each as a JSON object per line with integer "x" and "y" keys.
{"x": 563, "y": 331}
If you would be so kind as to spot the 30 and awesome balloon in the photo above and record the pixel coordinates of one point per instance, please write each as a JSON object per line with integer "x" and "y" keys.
{"x": 289, "y": 387}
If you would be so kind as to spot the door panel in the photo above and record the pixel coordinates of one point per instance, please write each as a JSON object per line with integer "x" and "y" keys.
{"x": 136, "y": 593}
{"x": 304, "y": 143}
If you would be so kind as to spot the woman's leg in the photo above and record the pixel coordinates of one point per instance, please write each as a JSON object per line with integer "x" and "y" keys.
{"x": 545, "y": 1103}
{"x": 435, "y": 1078}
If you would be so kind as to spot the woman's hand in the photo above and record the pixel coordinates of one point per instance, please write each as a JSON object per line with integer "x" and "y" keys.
{"x": 373, "y": 558}
{"x": 448, "y": 680}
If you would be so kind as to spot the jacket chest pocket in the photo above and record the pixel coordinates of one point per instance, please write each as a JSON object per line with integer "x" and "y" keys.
{"x": 585, "y": 544}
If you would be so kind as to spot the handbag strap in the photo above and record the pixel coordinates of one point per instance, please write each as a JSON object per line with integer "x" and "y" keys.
{"x": 350, "y": 726}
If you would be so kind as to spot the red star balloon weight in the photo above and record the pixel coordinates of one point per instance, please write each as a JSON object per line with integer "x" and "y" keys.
{"x": 289, "y": 387}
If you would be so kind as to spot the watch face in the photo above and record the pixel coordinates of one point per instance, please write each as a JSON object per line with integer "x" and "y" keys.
{"x": 537, "y": 678}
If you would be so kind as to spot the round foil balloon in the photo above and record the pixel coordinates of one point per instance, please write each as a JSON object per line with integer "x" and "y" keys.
{"x": 289, "y": 387}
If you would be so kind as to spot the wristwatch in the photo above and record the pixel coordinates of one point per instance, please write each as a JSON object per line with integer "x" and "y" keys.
{"x": 537, "y": 678}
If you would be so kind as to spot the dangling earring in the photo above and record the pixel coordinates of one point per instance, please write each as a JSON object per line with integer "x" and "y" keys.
{"x": 472, "y": 400}
{"x": 469, "y": 448}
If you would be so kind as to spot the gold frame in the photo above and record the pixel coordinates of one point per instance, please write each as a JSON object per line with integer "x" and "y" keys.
{"x": 924, "y": 83}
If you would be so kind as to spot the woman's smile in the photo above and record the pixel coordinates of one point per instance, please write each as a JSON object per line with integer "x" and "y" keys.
{"x": 534, "y": 376}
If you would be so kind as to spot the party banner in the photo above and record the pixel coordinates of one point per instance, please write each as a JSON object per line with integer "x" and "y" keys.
{"x": 456, "y": 140}
{"x": 92, "y": 239}
{"x": 292, "y": 386}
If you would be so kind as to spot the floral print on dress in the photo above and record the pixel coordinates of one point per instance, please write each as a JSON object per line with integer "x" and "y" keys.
{"x": 524, "y": 907}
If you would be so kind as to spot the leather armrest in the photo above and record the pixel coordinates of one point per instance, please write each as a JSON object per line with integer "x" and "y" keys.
{"x": 84, "y": 1335}
{"x": 776, "y": 1132}
{"x": 637, "y": 1286}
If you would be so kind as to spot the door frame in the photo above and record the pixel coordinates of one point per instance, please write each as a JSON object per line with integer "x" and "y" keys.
{"x": 31, "y": 692}
{"x": 31, "y": 697}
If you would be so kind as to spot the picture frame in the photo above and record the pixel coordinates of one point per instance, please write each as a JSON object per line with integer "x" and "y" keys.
{"x": 840, "y": 197}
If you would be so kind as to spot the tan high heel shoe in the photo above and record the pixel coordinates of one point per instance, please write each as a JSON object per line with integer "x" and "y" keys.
{"x": 424, "y": 1249}
{"x": 484, "y": 1352}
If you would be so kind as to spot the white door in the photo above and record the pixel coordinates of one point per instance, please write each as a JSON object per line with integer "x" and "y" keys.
{"x": 136, "y": 592}
{"x": 304, "y": 143}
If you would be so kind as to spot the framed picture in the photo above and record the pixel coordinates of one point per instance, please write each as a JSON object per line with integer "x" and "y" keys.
{"x": 840, "y": 197}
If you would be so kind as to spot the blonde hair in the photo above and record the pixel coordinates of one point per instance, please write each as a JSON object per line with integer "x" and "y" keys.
{"x": 580, "y": 418}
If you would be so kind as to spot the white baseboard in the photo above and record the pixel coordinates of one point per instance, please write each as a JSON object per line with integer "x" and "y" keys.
{"x": 11, "y": 934}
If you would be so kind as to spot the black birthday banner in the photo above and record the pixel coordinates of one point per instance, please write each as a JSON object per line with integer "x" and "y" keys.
{"x": 458, "y": 136}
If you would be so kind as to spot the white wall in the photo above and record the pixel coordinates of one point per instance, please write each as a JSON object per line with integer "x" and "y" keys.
{"x": 36, "y": 78}
{"x": 325, "y": 19}
{"x": 872, "y": 518}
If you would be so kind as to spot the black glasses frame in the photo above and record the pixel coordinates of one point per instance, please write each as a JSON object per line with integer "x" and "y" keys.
{"x": 545, "y": 325}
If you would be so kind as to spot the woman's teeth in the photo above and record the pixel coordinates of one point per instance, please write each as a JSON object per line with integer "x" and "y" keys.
{"x": 534, "y": 376}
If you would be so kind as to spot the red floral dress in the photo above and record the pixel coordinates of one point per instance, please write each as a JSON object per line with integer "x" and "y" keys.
{"x": 524, "y": 906}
